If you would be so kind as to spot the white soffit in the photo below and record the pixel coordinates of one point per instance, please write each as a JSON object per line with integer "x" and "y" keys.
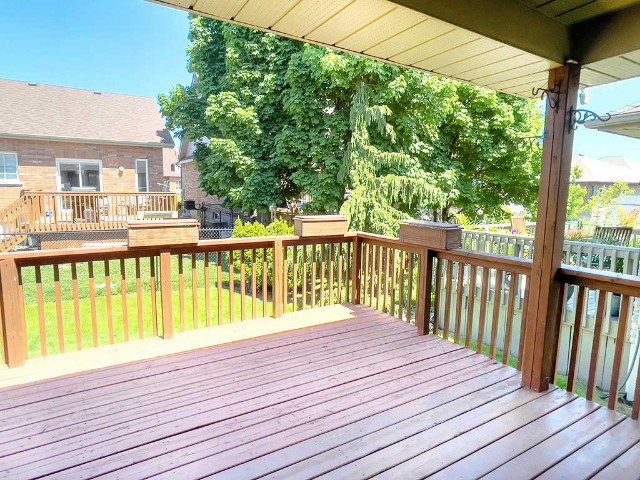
{"x": 387, "y": 31}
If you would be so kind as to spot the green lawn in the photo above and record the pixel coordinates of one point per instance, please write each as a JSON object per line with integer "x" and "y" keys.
{"x": 138, "y": 274}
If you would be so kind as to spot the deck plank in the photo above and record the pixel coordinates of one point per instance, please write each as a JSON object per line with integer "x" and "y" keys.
{"x": 359, "y": 398}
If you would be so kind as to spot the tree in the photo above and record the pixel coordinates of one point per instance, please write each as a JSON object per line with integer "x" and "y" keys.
{"x": 576, "y": 203}
{"x": 602, "y": 204}
{"x": 387, "y": 187}
{"x": 277, "y": 116}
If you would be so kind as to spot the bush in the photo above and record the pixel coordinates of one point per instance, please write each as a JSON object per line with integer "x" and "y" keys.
{"x": 255, "y": 229}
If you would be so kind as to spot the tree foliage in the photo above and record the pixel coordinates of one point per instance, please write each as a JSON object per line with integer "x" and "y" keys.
{"x": 576, "y": 203}
{"x": 281, "y": 118}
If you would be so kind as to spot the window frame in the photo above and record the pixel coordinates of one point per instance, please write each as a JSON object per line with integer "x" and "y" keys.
{"x": 146, "y": 161}
{"x": 94, "y": 161}
{"x": 10, "y": 180}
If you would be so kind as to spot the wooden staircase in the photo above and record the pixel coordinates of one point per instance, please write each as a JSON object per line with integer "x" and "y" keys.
{"x": 13, "y": 225}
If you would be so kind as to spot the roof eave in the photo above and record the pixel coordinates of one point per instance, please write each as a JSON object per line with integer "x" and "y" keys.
{"x": 100, "y": 141}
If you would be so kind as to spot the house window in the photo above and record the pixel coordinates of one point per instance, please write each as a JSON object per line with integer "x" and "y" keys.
{"x": 8, "y": 166}
{"x": 79, "y": 175}
{"x": 142, "y": 175}
{"x": 173, "y": 167}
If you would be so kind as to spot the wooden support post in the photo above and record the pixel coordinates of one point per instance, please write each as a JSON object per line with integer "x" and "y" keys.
{"x": 542, "y": 326}
{"x": 166, "y": 294}
{"x": 278, "y": 279}
{"x": 356, "y": 271}
{"x": 14, "y": 335}
{"x": 425, "y": 287}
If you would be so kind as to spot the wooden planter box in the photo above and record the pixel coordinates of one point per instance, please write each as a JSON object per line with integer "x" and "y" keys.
{"x": 320, "y": 225}
{"x": 442, "y": 236}
{"x": 154, "y": 233}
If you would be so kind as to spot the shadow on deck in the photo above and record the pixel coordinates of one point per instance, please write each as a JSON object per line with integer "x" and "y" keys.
{"x": 357, "y": 398}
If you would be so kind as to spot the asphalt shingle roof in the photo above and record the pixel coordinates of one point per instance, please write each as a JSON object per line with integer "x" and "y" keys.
{"x": 47, "y": 111}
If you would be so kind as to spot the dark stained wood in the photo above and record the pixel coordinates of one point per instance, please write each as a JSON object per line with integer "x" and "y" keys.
{"x": 575, "y": 338}
{"x": 542, "y": 332}
{"x": 361, "y": 397}
{"x": 595, "y": 346}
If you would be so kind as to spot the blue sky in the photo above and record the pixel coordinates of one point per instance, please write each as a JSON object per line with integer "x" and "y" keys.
{"x": 137, "y": 47}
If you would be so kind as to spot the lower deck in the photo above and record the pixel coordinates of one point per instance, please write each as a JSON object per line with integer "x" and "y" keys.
{"x": 361, "y": 398}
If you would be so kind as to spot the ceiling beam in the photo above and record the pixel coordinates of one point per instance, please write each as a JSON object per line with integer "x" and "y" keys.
{"x": 506, "y": 21}
{"x": 606, "y": 36}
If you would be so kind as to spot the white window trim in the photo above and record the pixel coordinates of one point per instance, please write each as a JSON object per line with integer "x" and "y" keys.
{"x": 135, "y": 164}
{"x": 12, "y": 181}
{"x": 77, "y": 160}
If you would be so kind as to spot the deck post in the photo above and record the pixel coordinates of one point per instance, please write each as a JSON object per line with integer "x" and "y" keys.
{"x": 166, "y": 294}
{"x": 425, "y": 280}
{"x": 355, "y": 270}
{"x": 278, "y": 279}
{"x": 14, "y": 337}
{"x": 542, "y": 325}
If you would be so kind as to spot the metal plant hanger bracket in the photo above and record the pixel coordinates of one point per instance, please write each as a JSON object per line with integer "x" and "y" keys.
{"x": 579, "y": 116}
{"x": 552, "y": 94}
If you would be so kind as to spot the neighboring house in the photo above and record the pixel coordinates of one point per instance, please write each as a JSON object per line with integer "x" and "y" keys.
{"x": 196, "y": 202}
{"x": 66, "y": 139}
{"x": 171, "y": 171}
{"x": 625, "y": 121}
{"x": 603, "y": 172}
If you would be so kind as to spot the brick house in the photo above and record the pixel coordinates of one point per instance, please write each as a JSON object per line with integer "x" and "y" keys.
{"x": 66, "y": 139}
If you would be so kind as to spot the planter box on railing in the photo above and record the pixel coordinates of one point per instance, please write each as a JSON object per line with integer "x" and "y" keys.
{"x": 155, "y": 233}
{"x": 320, "y": 225}
{"x": 443, "y": 236}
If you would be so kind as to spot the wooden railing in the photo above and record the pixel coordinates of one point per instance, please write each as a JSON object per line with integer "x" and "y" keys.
{"x": 36, "y": 212}
{"x": 589, "y": 299}
{"x": 55, "y": 302}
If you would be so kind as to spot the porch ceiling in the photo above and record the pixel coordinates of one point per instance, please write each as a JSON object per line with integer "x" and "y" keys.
{"x": 506, "y": 45}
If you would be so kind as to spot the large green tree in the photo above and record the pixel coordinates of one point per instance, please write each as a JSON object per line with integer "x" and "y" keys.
{"x": 279, "y": 119}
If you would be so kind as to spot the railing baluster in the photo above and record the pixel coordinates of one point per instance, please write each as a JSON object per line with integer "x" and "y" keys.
{"x": 123, "y": 294}
{"x": 331, "y": 268}
{"x": 617, "y": 357}
{"x": 523, "y": 320}
{"x": 265, "y": 283}
{"x": 341, "y": 247}
{"x": 254, "y": 285}
{"x": 183, "y": 320}
{"x": 497, "y": 302}
{"x": 459, "y": 293}
{"x": 349, "y": 261}
{"x": 304, "y": 277}
{"x": 513, "y": 288}
{"x": 243, "y": 292}
{"x": 139, "y": 299}
{"x": 595, "y": 346}
{"x": 372, "y": 276}
{"x": 323, "y": 273}
{"x": 470, "y": 305}
{"x": 41, "y": 321}
{"x": 207, "y": 291}
{"x": 379, "y": 274}
{"x": 394, "y": 281}
{"x": 365, "y": 273}
{"x": 219, "y": 279}
{"x": 92, "y": 301}
{"x": 194, "y": 290}
{"x": 403, "y": 262}
{"x": 385, "y": 306}
{"x": 447, "y": 300}
{"x": 576, "y": 335}
{"x": 76, "y": 305}
{"x": 295, "y": 278}
{"x": 484, "y": 295}
{"x": 58, "y": 293}
{"x": 232, "y": 288}
{"x": 154, "y": 305}
{"x": 107, "y": 287}
{"x": 409, "y": 308}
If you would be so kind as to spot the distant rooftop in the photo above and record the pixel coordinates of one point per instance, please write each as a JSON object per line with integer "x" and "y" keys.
{"x": 624, "y": 121}
{"x": 607, "y": 169}
{"x": 33, "y": 110}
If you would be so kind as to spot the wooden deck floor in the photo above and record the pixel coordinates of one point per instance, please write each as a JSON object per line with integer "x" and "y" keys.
{"x": 361, "y": 398}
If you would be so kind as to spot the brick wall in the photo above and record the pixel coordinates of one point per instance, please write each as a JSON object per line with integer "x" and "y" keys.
{"x": 191, "y": 186}
{"x": 37, "y": 164}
